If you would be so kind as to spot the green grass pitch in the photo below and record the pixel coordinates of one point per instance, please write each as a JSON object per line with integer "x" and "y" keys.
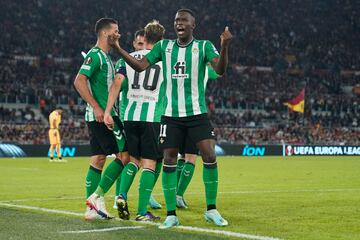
{"x": 285, "y": 198}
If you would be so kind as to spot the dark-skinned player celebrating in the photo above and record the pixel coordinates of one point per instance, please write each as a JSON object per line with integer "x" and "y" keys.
{"x": 184, "y": 64}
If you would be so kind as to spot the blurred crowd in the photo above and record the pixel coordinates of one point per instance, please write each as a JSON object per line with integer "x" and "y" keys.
{"x": 278, "y": 33}
{"x": 279, "y": 48}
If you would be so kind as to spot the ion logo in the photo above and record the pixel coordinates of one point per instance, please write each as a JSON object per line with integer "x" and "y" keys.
{"x": 253, "y": 151}
{"x": 65, "y": 152}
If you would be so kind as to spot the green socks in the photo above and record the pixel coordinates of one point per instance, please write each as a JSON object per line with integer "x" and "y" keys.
{"x": 127, "y": 177}
{"x": 185, "y": 178}
{"x": 147, "y": 181}
{"x": 117, "y": 186}
{"x": 169, "y": 187}
{"x": 111, "y": 173}
{"x": 179, "y": 168}
{"x": 92, "y": 180}
{"x": 158, "y": 168}
{"x": 210, "y": 177}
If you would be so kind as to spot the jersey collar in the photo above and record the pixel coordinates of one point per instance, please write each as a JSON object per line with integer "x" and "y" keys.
{"x": 183, "y": 46}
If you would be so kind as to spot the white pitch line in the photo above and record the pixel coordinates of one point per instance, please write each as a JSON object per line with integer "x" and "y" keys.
{"x": 227, "y": 233}
{"x": 200, "y": 193}
{"x": 104, "y": 229}
{"x": 188, "y": 228}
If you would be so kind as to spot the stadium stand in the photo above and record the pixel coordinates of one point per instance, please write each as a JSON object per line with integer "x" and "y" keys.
{"x": 276, "y": 52}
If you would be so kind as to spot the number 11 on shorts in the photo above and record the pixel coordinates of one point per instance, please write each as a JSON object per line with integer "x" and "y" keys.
{"x": 162, "y": 130}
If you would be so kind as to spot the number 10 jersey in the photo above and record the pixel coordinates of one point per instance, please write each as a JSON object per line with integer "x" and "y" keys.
{"x": 142, "y": 93}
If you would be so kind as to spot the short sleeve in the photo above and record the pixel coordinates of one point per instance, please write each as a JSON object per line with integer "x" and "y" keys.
{"x": 210, "y": 52}
{"x": 154, "y": 55}
{"x": 91, "y": 64}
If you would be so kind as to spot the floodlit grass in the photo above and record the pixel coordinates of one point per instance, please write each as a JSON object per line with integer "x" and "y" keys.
{"x": 286, "y": 198}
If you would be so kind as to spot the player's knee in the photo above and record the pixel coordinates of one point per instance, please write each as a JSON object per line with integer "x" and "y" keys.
{"x": 209, "y": 157}
{"x": 124, "y": 157}
{"x": 170, "y": 158}
{"x": 135, "y": 161}
{"x": 149, "y": 164}
{"x": 191, "y": 158}
{"x": 98, "y": 161}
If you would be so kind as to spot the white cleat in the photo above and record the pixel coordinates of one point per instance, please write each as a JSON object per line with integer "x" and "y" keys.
{"x": 214, "y": 216}
{"x": 91, "y": 214}
{"x": 97, "y": 203}
{"x": 180, "y": 202}
{"x": 170, "y": 221}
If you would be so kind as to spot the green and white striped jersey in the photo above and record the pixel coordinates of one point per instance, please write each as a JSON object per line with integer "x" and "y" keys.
{"x": 184, "y": 70}
{"x": 142, "y": 93}
{"x": 100, "y": 71}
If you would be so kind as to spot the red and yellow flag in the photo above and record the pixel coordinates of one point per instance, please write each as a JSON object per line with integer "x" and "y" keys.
{"x": 297, "y": 104}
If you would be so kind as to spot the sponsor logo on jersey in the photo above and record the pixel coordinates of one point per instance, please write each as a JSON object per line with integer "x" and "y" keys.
{"x": 180, "y": 69}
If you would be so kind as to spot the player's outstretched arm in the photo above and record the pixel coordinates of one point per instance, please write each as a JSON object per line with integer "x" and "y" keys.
{"x": 81, "y": 86}
{"x": 221, "y": 65}
{"x": 137, "y": 65}
{"x": 113, "y": 95}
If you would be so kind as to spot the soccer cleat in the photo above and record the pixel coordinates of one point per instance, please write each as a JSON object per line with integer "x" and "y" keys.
{"x": 62, "y": 160}
{"x": 153, "y": 203}
{"x": 122, "y": 208}
{"x": 170, "y": 221}
{"x": 97, "y": 203}
{"x": 115, "y": 205}
{"x": 180, "y": 202}
{"x": 214, "y": 216}
{"x": 148, "y": 217}
{"x": 51, "y": 160}
{"x": 91, "y": 214}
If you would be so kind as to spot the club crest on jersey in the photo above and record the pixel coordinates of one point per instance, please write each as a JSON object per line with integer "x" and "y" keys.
{"x": 195, "y": 50}
{"x": 88, "y": 60}
{"x": 180, "y": 69}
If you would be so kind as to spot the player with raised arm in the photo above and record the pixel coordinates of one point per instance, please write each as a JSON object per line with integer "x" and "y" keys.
{"x": 184, "y": 64}
{"x": 92, "y": 82}
{"x": 142, "y": 102}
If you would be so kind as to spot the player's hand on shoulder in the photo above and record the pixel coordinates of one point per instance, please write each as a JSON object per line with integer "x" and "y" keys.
{"x": 99, "y": 114}
{"x": 113, "y": 40}
{"x": 226, "y": 37}
{"x": 108, "y": 120}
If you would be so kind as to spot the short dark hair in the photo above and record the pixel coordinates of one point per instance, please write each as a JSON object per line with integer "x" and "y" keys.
{"x": 104, "y": 23}
{"x": 154, "y": 31}
{"x": 187, "y": 10}
{"x": 140, "y": 32}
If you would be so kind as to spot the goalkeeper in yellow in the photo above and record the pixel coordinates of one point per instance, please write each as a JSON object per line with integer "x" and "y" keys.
{"x": 54, "y": 134}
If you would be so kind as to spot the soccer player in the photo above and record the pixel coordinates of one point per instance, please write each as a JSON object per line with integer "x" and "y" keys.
{"x": 92, "y": 83}
{"x": 54, "y": 134}
{"x": 138, "y": 44}
{"x": 184, "y": 63}
{"x": 188, "y": 152}
{"x": 139, "y": 40}
{"x": 142, "y": 102}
